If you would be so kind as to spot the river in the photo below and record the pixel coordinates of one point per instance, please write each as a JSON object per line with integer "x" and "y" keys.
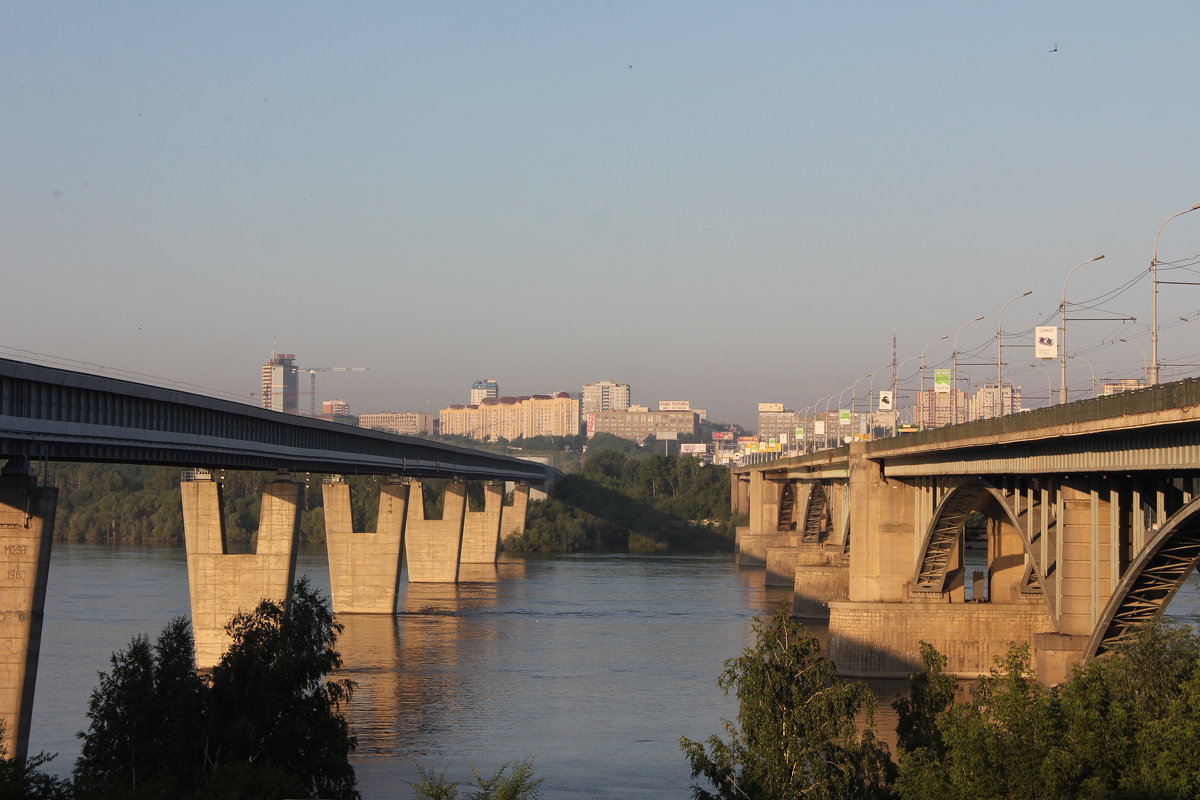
{"x": 593, "y": 665}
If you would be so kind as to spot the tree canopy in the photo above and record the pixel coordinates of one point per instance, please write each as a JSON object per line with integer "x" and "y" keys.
{"x": 267, "y": 723}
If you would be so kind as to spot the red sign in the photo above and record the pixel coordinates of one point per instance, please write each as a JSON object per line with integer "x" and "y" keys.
{"x": 722, "y": 435}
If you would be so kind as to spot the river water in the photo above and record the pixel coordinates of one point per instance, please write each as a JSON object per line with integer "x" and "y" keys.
{"x": 593, "y": 665}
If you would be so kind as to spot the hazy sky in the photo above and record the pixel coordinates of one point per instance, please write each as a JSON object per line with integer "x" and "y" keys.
{"x": 721, "y": 202}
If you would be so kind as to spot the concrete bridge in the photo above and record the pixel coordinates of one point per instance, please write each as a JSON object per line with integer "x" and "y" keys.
{"x": 49, "y": 414}
{"x": 1092, "y": 519}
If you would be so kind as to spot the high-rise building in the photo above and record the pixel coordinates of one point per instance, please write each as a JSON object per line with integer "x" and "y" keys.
{"x": 638, "y": 423}
{"x": 338, "y": 408}
{"x": 1123, "y": 385}
{"x": 605, "y": 396}
{"x": 776, "y": 423}
{"x": 513, "y": 417}
{"x": 990, "y": 401}
{"x": 410, "y": 423}
{"x": 281, "y": 383}
{"x": 483, "y": 389}
{"x": 934, "y": 409}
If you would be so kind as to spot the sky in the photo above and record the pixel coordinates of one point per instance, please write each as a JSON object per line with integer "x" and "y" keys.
{"x": 727, "y": 203}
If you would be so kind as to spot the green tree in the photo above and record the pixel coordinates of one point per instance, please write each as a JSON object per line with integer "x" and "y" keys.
{"x": 22, "y": 777}
{"x": 265, "y": 724}
{"x": 512, "y": 781}
{"x": 796, "y": 734}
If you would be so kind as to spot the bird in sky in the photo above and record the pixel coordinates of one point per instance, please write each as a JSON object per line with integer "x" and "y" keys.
{"x": 1055, "y": 50}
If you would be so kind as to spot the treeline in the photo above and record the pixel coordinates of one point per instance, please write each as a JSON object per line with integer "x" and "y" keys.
{"x": 630, "y": 501}
{"x": 1125, "y": 725}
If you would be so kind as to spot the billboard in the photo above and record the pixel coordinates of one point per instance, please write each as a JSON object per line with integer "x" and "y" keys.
{"x": 799, "y": 433}
{"x": 591, "y": 424}
{"x": 748, "y": 439}
{"x": 941, "y": 381}
{"x": 885, "y": 401}
{"x": 674, "y": 405}
{"x": 770, "y": 407}
{"x": 725, "y": 435}
{"x": 844, "y": 417}
{"x": 819, "y": 427}
{"x": 693, "y": 449}
{"x": 1045, "y": 341}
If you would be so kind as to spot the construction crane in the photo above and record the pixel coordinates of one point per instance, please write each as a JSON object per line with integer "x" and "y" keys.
{"x": 312, "y": 385}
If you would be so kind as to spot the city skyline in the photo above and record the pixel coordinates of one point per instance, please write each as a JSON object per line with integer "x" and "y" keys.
{"x": 728, "y": 204}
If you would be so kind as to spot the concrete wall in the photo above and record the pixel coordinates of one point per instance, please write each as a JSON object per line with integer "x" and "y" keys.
{"x": 882, "y": 640}
{"x": 364, "y": 568}
{"x": 222, "y": 584}
{"x": 512, "y": 518}
{"x": 781, "y": 562}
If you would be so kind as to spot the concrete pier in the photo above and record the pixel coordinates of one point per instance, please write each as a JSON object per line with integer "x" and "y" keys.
{"x": 815, "y": 588}
{"x": 432, "y": 546}
{"x": 512, "y": 522}
{"x": 481, "y": 529}
{"x": 26, "y": 528}
{"x": 221, "y": 583}
{"x": 364, "y": 568}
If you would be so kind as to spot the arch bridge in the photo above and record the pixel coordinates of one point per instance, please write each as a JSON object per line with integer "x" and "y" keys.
{"x": 1061, "y": 528}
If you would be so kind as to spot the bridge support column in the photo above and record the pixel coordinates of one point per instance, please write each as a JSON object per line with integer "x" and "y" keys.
{"x": 512, "y": 518}
{"x": 815, "y": 587}
{"x": 481, "y": 529}
{"x": 432, "y": 546}
{"x": 364, "y": 568}
{"x": 782, "y": 562}
{"x": 882, "y": 514}
{"x": 26, "y": 529}
{"x": 223, "y": 583}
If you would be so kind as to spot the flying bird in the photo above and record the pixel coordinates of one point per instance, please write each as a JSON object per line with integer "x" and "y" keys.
{"x": 1055, "y": 50}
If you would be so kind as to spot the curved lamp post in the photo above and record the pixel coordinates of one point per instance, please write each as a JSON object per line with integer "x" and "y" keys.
{"x": 1000, "y": 352}
{"x": 921, "y": 393}
{"x": 1062, "y": 386}
{"x": 1152, "y": 370}
{"x": 1142, "y": 350}
{"x": 954, "y": 372}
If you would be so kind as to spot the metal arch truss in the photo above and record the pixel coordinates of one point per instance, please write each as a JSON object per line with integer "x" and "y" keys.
{"x": 817, "y": 520}
{"x": 943, "y": 537}
{"x": 944, "y": 534}
{"x": 787, "y": 508}
{"x": 1152, "y": 580}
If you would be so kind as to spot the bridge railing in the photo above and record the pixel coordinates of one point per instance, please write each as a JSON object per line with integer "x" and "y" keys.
{"x": 1178, "y": 394}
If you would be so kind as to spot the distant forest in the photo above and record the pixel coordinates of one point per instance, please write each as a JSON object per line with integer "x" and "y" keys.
{"x": 622, "y": 498}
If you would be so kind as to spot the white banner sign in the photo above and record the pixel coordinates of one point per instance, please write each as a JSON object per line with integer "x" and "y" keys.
{"x": 818, "y": 428}
{"x": 885, "y": 401}
{"x": 1045, "y": 343}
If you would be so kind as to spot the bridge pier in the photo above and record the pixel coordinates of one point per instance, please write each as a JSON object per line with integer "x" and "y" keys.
{"x": 481, "y": 529}
{"x": 512, "y": 520}
{"x": 364, "y": 568}
{"x": 26, "y": 529}
{"x": 432, "y": 547}
{"x": 222, "y": 583}
{"x": 815, "y": 587}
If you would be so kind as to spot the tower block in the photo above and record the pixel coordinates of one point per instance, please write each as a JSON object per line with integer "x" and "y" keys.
{"x": 222, "y": 583}
{"x": 364, "y": 568}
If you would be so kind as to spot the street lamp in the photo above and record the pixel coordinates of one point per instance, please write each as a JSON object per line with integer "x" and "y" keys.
{"x": 1142, "y": 350}
{"x": 1152, "y": 370}
{"x": 1092, "y": 368}
{"x": 1000, "y": 349}
{"x": 1062, "y": 387}
{"x": 921, "y": 393}
{"x": 1049, "y": 390}
{"x": 954, "y": 372}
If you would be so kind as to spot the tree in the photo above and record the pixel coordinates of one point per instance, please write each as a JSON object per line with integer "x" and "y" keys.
{"x": 1124, "y": 725}
{"x": 796, "y": 734}
{"x": 512, "y": 781}
{"x": 265, "y": 724}
{"x": 21, "y": 778}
